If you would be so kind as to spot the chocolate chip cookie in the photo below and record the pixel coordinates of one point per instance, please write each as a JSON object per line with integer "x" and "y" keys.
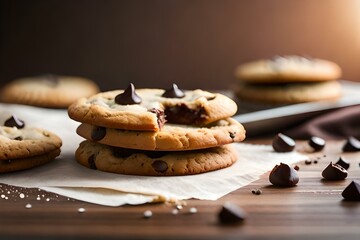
{"x": 50, "y": 91}
{"x": 289, "y": 68}
{"x": 149, "y": 109}
{"x": 172, "y": 137}
{"x": 22, "y": 147}
{"x": 154, "y": 163}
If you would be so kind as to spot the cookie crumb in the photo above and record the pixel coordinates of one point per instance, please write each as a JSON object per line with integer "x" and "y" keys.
{"x": 175, "y": 211}
{"x": 81, "y": 210}
{"x": 21, "y": 195}
{"x": 28, "y": 206}
{"x": 193, "y": 210}
{"x": 179, "y": 207}
{"x": 148, "y": 214}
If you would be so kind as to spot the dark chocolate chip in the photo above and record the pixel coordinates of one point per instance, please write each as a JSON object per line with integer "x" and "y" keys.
{"x": 129, "y": 96}
{"x": 283, "y": 143}
{"x": 232, "y": 135}
{"x": 155, "y": 154}
{"x": 122, "y": 152}
{"x": 283, "y": 176}
{"x": 173, "y": 92}
{"x": 343, "y": 162}
{"x": 308, "y": 162}
{"x": 19, "y": 138}
{"x": 13, "y": 121}
{"x": 317, "y": 143}
{"x": 98, "y": 133}
{"x": 352, "y": 192}
{"x": 231, "y": 214}
{"x": 159, "y": 166}
{"x": 334, "y": 172}
{"x": 91, "y": 162}
{"x": 256, "y": 191}
{"x": 296, "y": 167}
{"x": 352, "y": 145}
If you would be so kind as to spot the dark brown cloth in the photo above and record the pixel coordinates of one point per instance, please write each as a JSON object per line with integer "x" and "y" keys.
{"x": 337, "y": 124}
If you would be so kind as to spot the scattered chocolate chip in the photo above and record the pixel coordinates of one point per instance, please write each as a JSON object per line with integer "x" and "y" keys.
{"x": 256, "y": 191}
{"x": 283, "y": 143}
{"x": 283, "y": 176}
{"x": 308, "y": 162}
{"x": 122, "y": 152}
{"x": 315, "y": 161}
{"x": 159, "y": 166}
{"x": 344, "y": 163}
{"x": 296, "y": 167}
{"x": 13, "y": 121}
{"x": 173, "y": 92}
{"x": 334, "y": 172}
{"x": 91, "y": 162}
{"x": 352, "y": 145}
{"x": 317, "y": 143}
{"x": 352, "y": 192}
{"x": 129, "y": 96}
{"x": 231, "y": 214}
{"x": 98, "y": 133}
{"x": 155, "y": 154}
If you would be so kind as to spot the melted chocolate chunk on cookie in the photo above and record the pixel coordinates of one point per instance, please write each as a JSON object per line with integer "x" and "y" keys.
{"x": 160, "y": 116}
{"x": 122, "y": 152}
{"x": 128, "y": 97}
{"x": 232, "y": 135}
{"x": 160, "y": 166}
{"x": 19, "y": 138}
{"x": 91, "y": 161}
{"x": 173, "y": 92}
{"x": 181, "y": 114}
{"x": 13, "y": 121}
{"x": 155, "y": 154}
{"x": 50, "y": 80}
{"x": 98, "y": 133}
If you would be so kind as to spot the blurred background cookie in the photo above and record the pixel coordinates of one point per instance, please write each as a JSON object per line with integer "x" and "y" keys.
{"x": 287, "y": 80}
{"x": 49, "y": 90}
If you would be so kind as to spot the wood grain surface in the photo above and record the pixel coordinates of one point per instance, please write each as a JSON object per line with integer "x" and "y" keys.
{"x": 314, "y": 209}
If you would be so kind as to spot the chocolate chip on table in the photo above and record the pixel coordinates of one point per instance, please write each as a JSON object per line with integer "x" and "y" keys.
{"x": 352, "y": 145}
{"x": 296, "y": 167}
{"x": 159, "y": 166}
{"x": 283, "y": 143}
{"x": 334, "y": 172}
{"x": 283, "y": 176}
{"x": 352, "y": 192}
{"x": 231, "y": 214}
{"x": 343, "y": 162}
{"x": 317, "y": 143}
{"x": 256, "y": 191}
{"x": 128, "y": 97}
{"x": 98, "y": 133}
{"x": 173, "y": 92}
{"x": 308, "y": 162}
{"x": 13, "y": 121}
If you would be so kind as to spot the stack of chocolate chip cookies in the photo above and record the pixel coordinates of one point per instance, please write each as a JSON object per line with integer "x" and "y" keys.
{"x": 23, "y": 147}
{"x": 288, "y": 80}
{"x": 156, "y": 132}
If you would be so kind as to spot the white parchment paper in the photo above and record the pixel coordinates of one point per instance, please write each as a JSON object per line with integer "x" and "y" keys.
{"x": 66, "y": 177}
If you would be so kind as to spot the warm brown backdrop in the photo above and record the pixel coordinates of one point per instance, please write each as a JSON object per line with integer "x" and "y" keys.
{"x": 195, "y": 43}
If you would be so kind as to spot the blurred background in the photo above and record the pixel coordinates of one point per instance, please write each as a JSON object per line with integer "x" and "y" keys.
{"x": 195, "y": 43}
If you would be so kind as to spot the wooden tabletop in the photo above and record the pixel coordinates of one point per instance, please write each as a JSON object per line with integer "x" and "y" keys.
{"x": 313, "y": 209}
